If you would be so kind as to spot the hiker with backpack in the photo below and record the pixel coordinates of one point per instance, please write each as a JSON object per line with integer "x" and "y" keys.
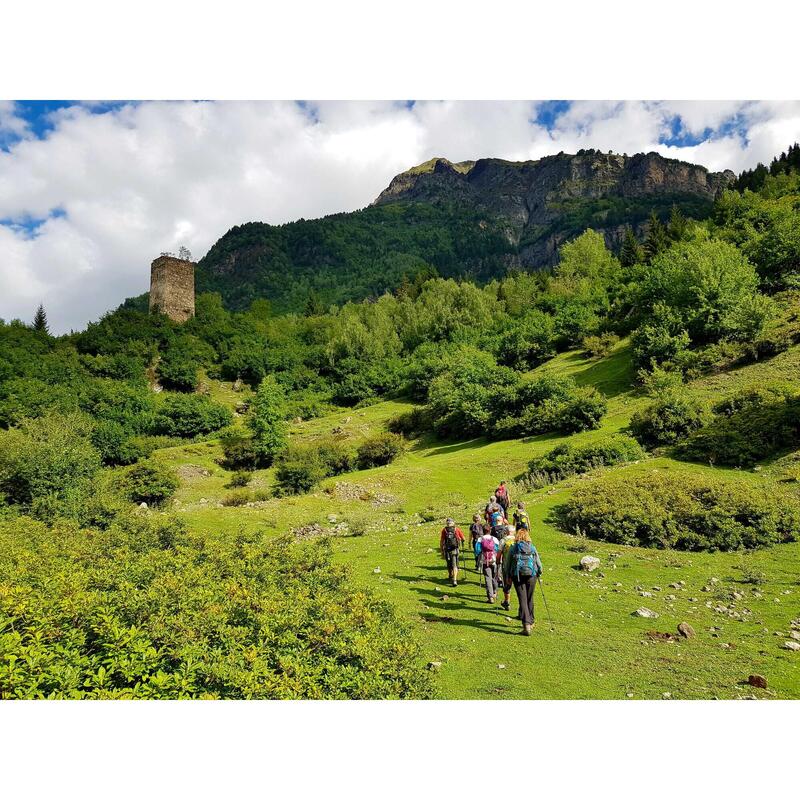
{"x": 497, "y": 523}
{"x": 521, "y": 518}
{"x": 450, "y": 541}
{"x": 491, "y": 507}
{"x": 504, "y": 568}
{"x": 476, "y": 530}
{"x": 526, "y": 569}
{"x": 503, "y": 499}
{"x": 489, "y": 547}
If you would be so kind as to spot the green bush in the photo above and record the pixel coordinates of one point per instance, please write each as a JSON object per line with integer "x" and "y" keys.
{"x": 600, "y": 346}
{"x": 149, "y": 482}
{"x": 190, "y": 415}
{"x": 238, "y": 449}
{"x": 338, "y": 456}
{"x": 683, "y": 511}
{"x": 267, "y": 421}
{"x": 239, "y": 497}
{"x": 668, "y": 420}
{"x": 142, "y": 610}
{"x": 299, "y": 469}
{"x": 379, "y": 450}
{"x": 748, "y": 427}
{"x": 240, "y": 479}
{"x": 51, "y": 455}
{"x": 115, "y": 445}
{"x": 570, "y": 459}
{"x": 411, "y": 423}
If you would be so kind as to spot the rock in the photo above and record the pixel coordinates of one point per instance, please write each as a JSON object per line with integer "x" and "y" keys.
{"x": 795, "y": 635}
{"x": 332, "y": 518}
{"x": 629, "y": 694}
{"x": 501, "y": 666}
{"x": 646, "y": 594}
{"x": 671, "y": 597}
{"x": 656, "y": 588}
{"x": 645, "y": 612}
{"x": 667, "y": 695}
{"x": 713, "y": 580}
{"x": 791, "y": 644}
{"x": 297, "y": 420}
{"x": 434, "y": 665}
{"x": 686, "y": 630}
{"x": 377, "y": 570}
{"x": 445, "y": 597}
{"x": 589, "y": 563}
{"x": 429, "y": 550}
{"x": 142, "y": 505}
{"x": 674, "y": 586}
{"x": 758, "y": 681}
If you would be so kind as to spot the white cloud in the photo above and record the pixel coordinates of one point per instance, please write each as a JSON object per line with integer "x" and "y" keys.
{"x": 146, "y": 177}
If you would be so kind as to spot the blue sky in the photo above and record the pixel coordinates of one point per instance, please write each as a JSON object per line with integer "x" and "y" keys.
{"x": 90, "y": 192}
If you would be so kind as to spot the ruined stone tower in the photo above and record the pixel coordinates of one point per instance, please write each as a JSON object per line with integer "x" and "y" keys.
{"x": 172, "y": 287}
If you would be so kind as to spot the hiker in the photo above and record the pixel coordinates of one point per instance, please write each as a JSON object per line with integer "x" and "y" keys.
{"x": 526, "y": 569}
{"x": 490, "y": 509}
{"x": 504, "y": 570}
{"x": 475, "y": 532}
{"x": 450, "y": 541}
{"x": 497, "y": 522}
{"x": 503, "y": 499}
{"x": 521, "y": 518}
{"x": 489, "y": 546}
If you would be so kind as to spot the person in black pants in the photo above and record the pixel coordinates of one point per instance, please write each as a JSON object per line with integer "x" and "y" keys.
{"x": 525, "y": 570}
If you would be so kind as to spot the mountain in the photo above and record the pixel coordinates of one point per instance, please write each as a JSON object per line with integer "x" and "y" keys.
{"x": 474, "y": 219}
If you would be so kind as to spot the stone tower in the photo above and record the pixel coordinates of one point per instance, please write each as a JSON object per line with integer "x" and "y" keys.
{"x": 172, "y": 287}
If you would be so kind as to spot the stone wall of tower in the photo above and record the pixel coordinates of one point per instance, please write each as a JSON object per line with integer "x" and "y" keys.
{"x": 172, "y": 287}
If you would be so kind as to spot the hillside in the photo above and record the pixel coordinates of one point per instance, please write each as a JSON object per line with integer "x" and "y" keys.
{"x": 474, "y": 220}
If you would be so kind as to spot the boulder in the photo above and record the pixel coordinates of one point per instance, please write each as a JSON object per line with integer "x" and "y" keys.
{"x": 791, "y": 644}
{"x": 645, "y": 612}
{"x": 758, "y": 681}
{"x": 686, "y": 630}
{"x": 589, "y": 563}
{"x": 434, "y": 665}
{"x": 142, "y": 505}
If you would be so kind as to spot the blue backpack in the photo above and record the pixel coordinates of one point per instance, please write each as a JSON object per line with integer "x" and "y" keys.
{"x": 528, "y": 563}
{"x": 496, "y": 519}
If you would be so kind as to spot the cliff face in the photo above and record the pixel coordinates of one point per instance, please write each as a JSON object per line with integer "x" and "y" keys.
{"x": 540, "y": 204}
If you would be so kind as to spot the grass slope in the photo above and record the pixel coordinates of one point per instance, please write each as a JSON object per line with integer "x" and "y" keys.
{"x": 595, "y": 648}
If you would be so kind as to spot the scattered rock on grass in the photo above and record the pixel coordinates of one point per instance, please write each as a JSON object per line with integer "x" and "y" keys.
{"x": 589, "y": 563}
{"x": 645, "y": 612}
{"x": 377, "y": 570}
{"x": 759, "y": 681}
{"x": 686, "y": 630}
{"x": 791, "y": 644}
{"x": 434, "y": 665}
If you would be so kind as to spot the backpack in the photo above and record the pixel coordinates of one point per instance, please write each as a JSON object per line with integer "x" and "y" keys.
{"x": 501, "y": 492}
{"x": 487, "y": 549}
{"x": 526, "y": 560}
{"x": 496, "y": 519}
{"x": 523, "y": 520}
{"x": 450, "y": 540}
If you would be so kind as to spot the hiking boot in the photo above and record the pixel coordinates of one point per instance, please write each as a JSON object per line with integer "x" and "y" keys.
{"x": 526, "y": 629}
{"x": 505, "y": 605}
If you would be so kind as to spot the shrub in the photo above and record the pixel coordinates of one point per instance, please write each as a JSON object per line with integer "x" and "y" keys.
{"x": 299, "y": 469}
{"x": 581, "y": 412}
{"x": 50, "y": 455}
{"x": 683, "y": 511}
{"x": 748, "y": 427}
{"x": 240, "y": 497}
{"x": 208, "y": 618}
{"x": 149, "y": 482}
{"x": 411, "y": 423}
{"x": 240, "y": 479}
{"x": 379, "y": 450}
{"x": 238, "y": 449}
{"x": 336, "y": 455}
{"x": 115, "y": 446}
{"x": 570, "y": 459}
{"x": 669, "y": 419}
{"x": 600, "y": 346}
{"x": 190, "y": 415}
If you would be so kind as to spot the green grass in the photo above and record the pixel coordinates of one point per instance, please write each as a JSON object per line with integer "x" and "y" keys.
{"x": 595, "y": 648}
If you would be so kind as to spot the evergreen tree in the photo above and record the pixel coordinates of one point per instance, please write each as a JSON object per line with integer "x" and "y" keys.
{"x": 631, "y": 252}
{"x": 657, "y": 239}
{"x": 678, "y": 224}
{"x": 314, "y": 305}
{"x": 40, "y": 320}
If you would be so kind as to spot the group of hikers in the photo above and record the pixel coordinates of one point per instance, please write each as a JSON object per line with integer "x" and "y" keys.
{"x": 504, "y": 553}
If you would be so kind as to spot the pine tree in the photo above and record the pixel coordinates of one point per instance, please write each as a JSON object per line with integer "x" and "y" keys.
{"x": 678, "y": 224}
{"x": 657, "y": 239}
{"x": 630, "y": 252}
{"x": 40, "y": 320}
{"x": 314, "y": 305}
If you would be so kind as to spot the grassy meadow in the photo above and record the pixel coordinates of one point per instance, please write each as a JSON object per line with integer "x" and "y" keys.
{"x": 385, "y": 525}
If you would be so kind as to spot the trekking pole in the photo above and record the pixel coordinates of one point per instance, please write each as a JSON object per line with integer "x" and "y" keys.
{"x": 539, "y": 581}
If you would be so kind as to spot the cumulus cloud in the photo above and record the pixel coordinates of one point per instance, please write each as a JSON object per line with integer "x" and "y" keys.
{"x": 86, "y": 205}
